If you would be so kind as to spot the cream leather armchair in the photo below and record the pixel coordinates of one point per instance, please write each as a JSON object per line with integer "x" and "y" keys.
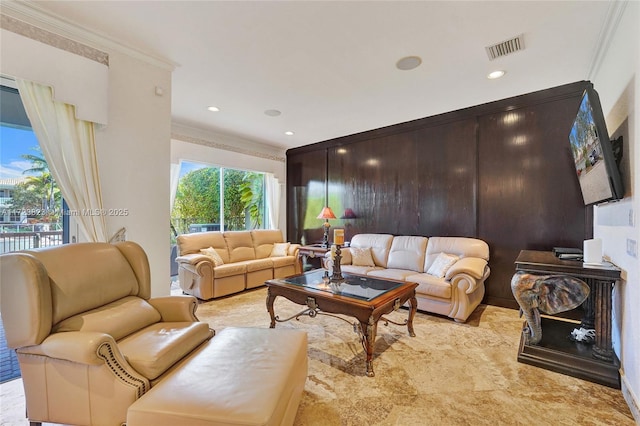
{"x": 89, "y": 339}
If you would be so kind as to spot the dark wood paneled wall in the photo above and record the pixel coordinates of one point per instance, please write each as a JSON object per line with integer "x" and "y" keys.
{"x": 501, "y": 172}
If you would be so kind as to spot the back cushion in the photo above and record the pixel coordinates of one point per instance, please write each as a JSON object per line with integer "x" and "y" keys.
{"x": 193, "y": 243}
{"x": 459, "y": 246}
{"x": 118, "y": 319}
{"x": 407, "y": 253}
{"x": 380, "y": 245}
{"x": 263, "y": 240}
{"x": 240, "y": 245}
{"x": 85, "y": 276}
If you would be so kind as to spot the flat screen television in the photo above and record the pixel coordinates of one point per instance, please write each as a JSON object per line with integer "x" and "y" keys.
{"x": 593, "y": 153}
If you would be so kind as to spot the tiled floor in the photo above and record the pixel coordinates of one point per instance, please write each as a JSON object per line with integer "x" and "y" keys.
{"x": 9, "y": 368}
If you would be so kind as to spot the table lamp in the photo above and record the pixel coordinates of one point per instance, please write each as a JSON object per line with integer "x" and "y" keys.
{"x": 326, "y": 214}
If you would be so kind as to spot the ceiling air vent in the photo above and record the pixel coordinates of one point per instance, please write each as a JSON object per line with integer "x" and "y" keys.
{"x": 506, "y": 47}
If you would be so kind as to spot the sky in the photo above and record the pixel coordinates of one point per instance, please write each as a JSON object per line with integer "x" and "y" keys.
{"x": 13, "y": 143}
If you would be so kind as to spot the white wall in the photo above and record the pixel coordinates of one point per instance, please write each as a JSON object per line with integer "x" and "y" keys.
{"x": 183, "y": 148}
{"x": 618, "y": 84}
{"x": 133, "y": 159}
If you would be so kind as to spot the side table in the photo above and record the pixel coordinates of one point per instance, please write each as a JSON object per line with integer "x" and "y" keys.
{"x": 311, "y": 256}
{"x": 596, "y": 362}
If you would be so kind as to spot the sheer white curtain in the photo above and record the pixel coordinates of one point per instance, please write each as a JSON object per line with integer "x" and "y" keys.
{"x": 272, "y": 190}
{"x": 68, "y": 146}
{"x": 175, "y": 177}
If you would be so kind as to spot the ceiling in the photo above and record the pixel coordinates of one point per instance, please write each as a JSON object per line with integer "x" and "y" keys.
{"x": 329, "y": 67}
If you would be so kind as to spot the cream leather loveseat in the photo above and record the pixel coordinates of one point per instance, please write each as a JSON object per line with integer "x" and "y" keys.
{"x": 215, "y": 264}
{"x": 450, "y": 271}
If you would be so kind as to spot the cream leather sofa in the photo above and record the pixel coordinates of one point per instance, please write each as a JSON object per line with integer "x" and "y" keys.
{"x": 463, "y": 263}
{"x": 89, "y": 338}
{"x": 246, "y": 259}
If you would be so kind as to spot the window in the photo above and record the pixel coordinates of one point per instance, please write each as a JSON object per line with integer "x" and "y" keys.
{"x": 218, "y": 199}
{"x": 30, "y": 201}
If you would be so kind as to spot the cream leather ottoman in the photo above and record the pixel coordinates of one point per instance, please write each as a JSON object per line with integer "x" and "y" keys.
{"x": 242, "y": 376}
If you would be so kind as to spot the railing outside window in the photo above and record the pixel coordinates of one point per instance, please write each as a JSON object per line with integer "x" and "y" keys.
{"x": 24, "y": 237}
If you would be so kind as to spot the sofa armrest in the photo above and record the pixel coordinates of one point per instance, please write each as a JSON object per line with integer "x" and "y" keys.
{"x": 176, "y": 308}
{"x": 293, "y": 249}
{"x": 193, "y": 259}
{"x": 473, "y": 266}
{"x": 76, "y": 346}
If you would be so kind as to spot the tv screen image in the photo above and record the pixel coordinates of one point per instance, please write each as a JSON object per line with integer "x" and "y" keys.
{"x": 595, "y": 166}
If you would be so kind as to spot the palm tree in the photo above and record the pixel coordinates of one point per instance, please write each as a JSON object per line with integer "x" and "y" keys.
{"x": 43, "y": 180}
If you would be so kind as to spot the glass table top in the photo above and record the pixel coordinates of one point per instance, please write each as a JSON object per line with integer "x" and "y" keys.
{"x": 356, "y": 286}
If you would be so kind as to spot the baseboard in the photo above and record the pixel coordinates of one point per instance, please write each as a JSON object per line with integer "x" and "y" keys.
{"x": 630, "y": 397}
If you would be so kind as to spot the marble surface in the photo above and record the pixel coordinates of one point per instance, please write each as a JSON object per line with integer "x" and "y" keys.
{"x": 449, "y": 374}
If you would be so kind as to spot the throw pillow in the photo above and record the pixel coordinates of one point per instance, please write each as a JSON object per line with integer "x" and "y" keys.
{"x": 442, "y": 264}
{"x": 213, "y": 254}
{"x": 361, "y": 256}
{"x": 280, "y": 250}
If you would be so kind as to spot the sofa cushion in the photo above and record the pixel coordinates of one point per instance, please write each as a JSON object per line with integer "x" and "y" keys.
{"x": 229, "y": 269}
{"x": 152, "y": 350}
{"x": 118, "y": 319}
{"x": 392, "y": 274}
{"x": 240, "y": 245}
{"x": 442, "y": 264}
{"x": 407, "y": 252}
{"x": 101, "y": 274}
{"x": 212, "y": 254}
{"x": 279, "y": 262}
{"x": 361, "y": 256}
{"x": 430, "y": 285}
{"x": 280, "y": 249}
{"x": 192, "y": 243}
{"x": 460, "y": 246}
{"x": 263, "y": 241}
{"x": 360, "y": 270}
{"x": 257, "y": 264}
{"x": 380, "y": 245}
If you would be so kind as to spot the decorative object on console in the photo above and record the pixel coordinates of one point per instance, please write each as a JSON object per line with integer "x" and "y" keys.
{"x": 550, "y": 294}
{"x": 593, "y": 251}
{"x": 326, "y": 214}
{"x": 348, "y": 214}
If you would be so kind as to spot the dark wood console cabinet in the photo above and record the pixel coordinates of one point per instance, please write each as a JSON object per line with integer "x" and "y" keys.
{"x": 556, "y": 352}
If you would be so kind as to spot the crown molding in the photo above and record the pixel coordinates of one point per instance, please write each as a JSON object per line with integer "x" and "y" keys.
{"x": 227, "y": 142}
{"x": 35, "y": 15}
{"x": 607, "y": 32}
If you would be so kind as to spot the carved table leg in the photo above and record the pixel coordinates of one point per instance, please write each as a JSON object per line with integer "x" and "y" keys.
{"x": 413, "y": 303}
{"x": 369, "y": 330}
{"x": 270, "y": 299}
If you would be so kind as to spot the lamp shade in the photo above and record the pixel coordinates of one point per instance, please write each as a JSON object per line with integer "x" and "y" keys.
{"x": 348, "y": 214}
{"x": 326, "y": 213}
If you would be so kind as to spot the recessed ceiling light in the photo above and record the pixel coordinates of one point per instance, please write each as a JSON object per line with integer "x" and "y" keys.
{"x": 408, "y": 63}
{"x": 288, "y": 133}
{"x": 495, "y": 74}
{"x": 214, "y": 109}
{"x": 272, "y": 112}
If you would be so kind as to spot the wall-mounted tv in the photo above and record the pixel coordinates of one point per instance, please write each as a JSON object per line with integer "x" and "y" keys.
{"x": 593, "y": 153}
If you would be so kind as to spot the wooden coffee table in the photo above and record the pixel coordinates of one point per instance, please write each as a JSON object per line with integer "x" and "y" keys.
{"x": 365, "y": 298}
